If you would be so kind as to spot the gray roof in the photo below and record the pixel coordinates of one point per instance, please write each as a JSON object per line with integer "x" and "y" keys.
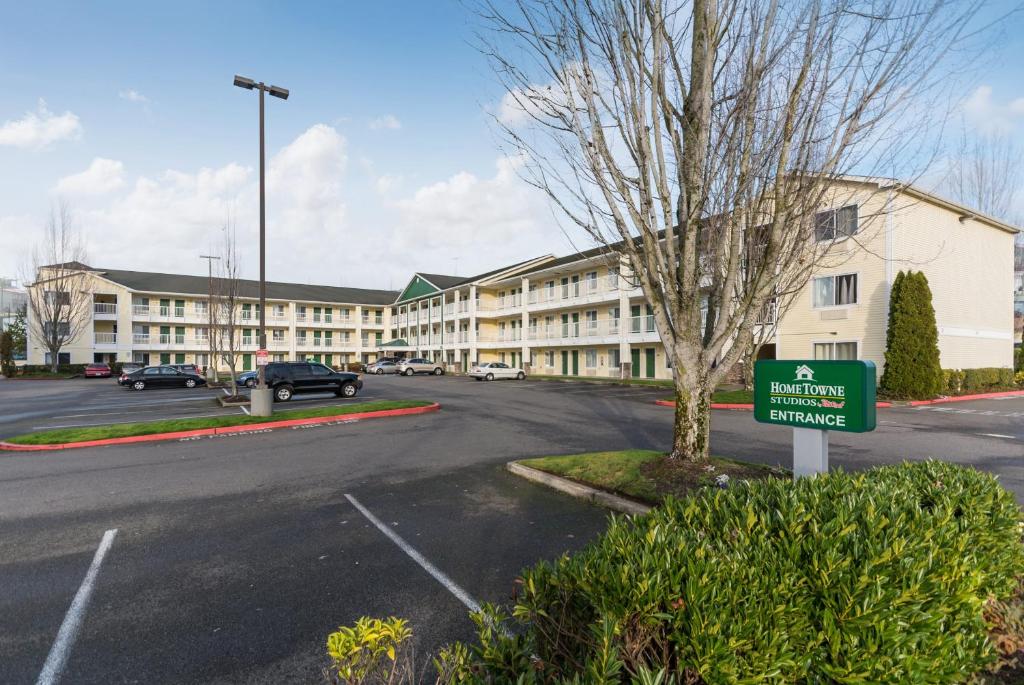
{"x": 145, "y": 281}
{"x": 444, "y": 282}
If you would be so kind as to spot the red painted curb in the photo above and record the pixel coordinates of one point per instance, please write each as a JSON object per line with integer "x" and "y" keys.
{"x": 176, "y": 435}
{"x": 964, "y": 398}
{"x": 746, "y": 407}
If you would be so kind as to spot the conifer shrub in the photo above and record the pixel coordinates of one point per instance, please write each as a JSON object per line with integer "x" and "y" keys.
{"x": 876, "y": 577}
{"x": 912, "y": 368}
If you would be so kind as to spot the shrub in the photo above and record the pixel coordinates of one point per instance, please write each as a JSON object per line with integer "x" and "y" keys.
{"x": 356, "y": 367}
{"x": 953, "y": 380}
{"x": 912, "y": 368}
{"x": 6, "y": 354}
{"x": 368, "y": 652}
{"x": 1018, "y": 378}
{"x": 980, "y": 380}
{"x": 881, "y": 576}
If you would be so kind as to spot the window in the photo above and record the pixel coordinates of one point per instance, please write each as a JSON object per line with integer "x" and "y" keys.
{"x": 549, "y": 358}
{"x": 613, "y": 358}
{"x": 319, "y": 370}
{"x": 62, "y": 358}
{"x": 152, "y": 371}
{"x": 591, "y": 359}
{"x": 278, "y": 336}
{"x": 835, "y": 350}
{"x": 834, "y": 291}
{"x": 835, "y": 224}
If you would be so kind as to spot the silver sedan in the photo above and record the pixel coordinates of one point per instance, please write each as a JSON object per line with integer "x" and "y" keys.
{"x": 382, "y": 367}
{"x": 494, "y": 370}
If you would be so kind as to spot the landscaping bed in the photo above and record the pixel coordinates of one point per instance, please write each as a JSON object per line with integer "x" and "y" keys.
{"x": 899, "y": 574}
{"x": 123, "y": 430}
{"x": 649, "y": 476}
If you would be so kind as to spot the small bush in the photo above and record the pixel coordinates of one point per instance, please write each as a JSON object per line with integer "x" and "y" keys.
{"x": 877, "y": 577}
{"x": 368, "y": 652}
{"x": 1018, "y": 378}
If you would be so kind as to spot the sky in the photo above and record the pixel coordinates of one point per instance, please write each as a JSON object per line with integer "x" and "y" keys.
{"x": 384, "y": 160}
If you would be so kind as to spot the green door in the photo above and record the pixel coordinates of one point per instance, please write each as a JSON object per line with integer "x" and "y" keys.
{"x": 165, "y": 357}
{"x": 575, "y": 362}
{"x": 246, "y": 362}
{"x": 565, "y": 362}
{"x": 649, "y": 371}
{"x": 179, "y": 358}
{"x": 634, "y": 358}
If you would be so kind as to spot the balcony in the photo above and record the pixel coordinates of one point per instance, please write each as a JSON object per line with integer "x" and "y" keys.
{"x": 104, "y": 310}
{"x": 594, "y": 329}
{"x": 141, "y": 311}
{"x": 300, "y": 317}
{"x": 642, "y": 324}
{"x": 104, "y": 339}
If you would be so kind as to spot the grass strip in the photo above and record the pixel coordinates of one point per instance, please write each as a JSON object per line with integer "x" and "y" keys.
{"x": 647, "y": 475}
{"x": 124, "y": 430}
{"x": 727, "y": 397}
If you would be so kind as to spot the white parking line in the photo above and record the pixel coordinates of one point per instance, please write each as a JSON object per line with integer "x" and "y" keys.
{"x": 440, "y": 577}
{"x": 58, "y": 657}
{"x": 245, "y": 409}
{"x": 999, "y": 435}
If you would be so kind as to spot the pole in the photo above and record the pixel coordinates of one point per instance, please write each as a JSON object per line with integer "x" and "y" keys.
{"x": 263, "y": 240}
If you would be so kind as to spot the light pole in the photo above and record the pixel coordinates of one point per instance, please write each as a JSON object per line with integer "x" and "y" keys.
{"x": 209, "y": 310}
{"x": 261, "y": 403}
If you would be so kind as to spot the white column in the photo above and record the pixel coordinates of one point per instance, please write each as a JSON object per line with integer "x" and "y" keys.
{"x": 624, "y": 316}
{"x": 359, "y": 333}
{"x": 472, "y": 324}
{"x": 524, "y": 325}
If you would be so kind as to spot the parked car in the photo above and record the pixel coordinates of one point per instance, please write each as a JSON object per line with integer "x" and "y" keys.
{"x": 128, "y": 367}
{"x": 293, "y": 378}
{"x": 97, "y": 371}
{"x": 248, "y": 378}
{"x": 381, "y": 367}
{"x": 160, "y": 377}
{"x": 490, "y": 371}
{"x": 408, "y": 367}
{"x": 187, "y": 368}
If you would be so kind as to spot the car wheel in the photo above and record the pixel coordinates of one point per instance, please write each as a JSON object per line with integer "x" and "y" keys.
{"x": 489, "y": 377}
{"x": 409, "y": 372}
{"x": 139, "y": 385}
{"x": 347, "y": 390}
{"x": 283, "y": 393}
{"x": 439, "y": 371}
{"x": 190, "y": 383}
{"x": 250, "y": 383}
{"x": 520, "y": 376}
{"x": 379, "y": 372}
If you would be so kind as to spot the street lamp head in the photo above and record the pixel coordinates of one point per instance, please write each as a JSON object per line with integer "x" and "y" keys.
{"x": 279, "y": 92}
{"x": 243, "y": 82}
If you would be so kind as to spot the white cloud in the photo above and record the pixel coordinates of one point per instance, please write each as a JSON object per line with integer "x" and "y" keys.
{"x": 387, "y": 183}
{"x": 102, "y": 176}
{"x": 501, "y": 214}
{"x": 991, "y": 116}
{"x": 132, "y": 95}
{"x": 40, "y": 128}
{"x": 388, "y": 121}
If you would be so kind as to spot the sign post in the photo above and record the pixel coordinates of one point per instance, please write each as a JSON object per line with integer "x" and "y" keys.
{"x": 815, "y": 397}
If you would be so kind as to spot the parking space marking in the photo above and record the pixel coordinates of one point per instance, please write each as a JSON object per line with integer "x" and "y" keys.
{"x": 438, "y": 575}
{"x": 245, "y": 409}
{"x": 58, "y": 657}
{"x": 998, "y": 435}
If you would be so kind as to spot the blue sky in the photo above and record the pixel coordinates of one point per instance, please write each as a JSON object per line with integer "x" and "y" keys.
{"x": 383, "y": 161}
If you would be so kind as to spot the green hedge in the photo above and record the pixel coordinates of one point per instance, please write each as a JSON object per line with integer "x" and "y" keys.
{"x": 966, "y": 381}
{"x": 875, "y": 577}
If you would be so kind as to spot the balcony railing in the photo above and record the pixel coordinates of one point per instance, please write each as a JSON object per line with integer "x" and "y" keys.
{"x": 642, "y": 324}
{"x": 140, "y": 339}
{"x": 105, "y": 338}
{"x": 140, "y": 309}
{"x": 179, "y": 312}
{"x": 768, "y": 315}
{"x": 300, "y": 317}
{"x": 589, "y": 328}
{"x": 104, "y": 308}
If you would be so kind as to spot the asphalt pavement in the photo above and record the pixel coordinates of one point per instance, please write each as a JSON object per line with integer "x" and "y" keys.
{"x": 235, "y": 556}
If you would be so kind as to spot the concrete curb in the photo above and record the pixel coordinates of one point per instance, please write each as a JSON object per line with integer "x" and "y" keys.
{"x": 964, "y": 398}
{"x": 748, "y": 407}
{"x": 571, "y": 487}
{"x": 177, "y": 435}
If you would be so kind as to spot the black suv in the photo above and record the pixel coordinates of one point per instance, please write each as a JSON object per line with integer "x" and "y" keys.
{"x": 290, "y": 378}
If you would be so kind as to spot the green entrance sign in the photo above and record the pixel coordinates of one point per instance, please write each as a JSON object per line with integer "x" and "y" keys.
{"x": 824, "y": 395}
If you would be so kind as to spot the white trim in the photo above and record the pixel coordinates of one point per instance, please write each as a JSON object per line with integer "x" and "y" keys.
{"x": 989, "y": 334}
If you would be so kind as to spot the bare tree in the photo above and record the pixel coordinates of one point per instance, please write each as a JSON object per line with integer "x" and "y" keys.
{"x": 987, "y": 173}
{"x": 225, "y": 305}
{"x": 59, "y": 306}
{"x": 700, "y": 140}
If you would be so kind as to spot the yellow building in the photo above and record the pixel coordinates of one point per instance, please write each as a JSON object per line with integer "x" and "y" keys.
{"x": 579, "y": 315}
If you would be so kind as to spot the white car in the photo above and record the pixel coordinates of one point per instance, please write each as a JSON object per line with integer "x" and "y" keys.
{"x": 493, "y": 370}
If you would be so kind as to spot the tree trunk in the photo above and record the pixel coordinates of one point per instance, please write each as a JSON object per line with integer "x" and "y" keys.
{"x": 692, "y": 428}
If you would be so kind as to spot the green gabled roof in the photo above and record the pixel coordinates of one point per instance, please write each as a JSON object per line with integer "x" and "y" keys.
{"x": 400, "y": 342}
{"x": 418, "y": 287}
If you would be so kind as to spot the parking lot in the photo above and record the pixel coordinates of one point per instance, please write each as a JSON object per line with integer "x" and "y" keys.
{"x": 233, "y": 557}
